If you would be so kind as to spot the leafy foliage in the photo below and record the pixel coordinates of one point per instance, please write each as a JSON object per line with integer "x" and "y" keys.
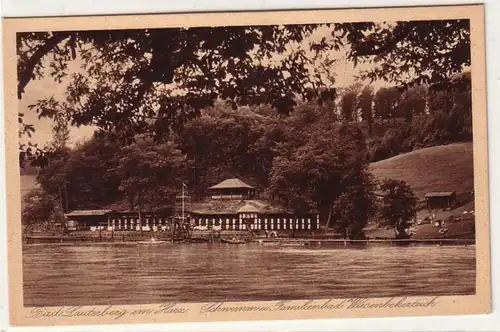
{"x": 139, "y": 80}
{"x": 365, "y": 105}
{"x": 224, "y": 143}
{"x": 398, "y": 206}
{"x": 202, "y": 104}
{"x": 413, "y": 103}
{"x": 355, "y": 206}
{"x": 318, "y": 173}
{"x": 349, "y": 103}
{"x": 39, "y": 208}
{"x": 413, "y": 52}
{"x": 386, "y": 104}
{"x": 154, "y": 80}
{"x": 150, "y": 172}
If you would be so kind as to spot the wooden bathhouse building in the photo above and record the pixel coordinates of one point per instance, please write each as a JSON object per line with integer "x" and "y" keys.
{"x": 230, "y": 205}
{"x": 115, "y": 220}
{"x": 235, "y": 205}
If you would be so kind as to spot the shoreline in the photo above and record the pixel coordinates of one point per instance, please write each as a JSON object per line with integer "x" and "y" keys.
{"x": 277, "y": 242}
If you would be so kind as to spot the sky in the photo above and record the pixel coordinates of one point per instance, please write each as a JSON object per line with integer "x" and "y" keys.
{"x": 47, "y": 87}
{"x": 41, "y": 89}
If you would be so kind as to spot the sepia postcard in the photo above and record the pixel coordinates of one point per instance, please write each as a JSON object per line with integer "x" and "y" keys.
{"x": 247, "y": 166}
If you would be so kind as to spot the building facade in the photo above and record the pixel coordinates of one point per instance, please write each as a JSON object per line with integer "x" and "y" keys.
{"x": 121, "y": 221}
{"x": 236, "y": 208}
{"x": 114, "y": 220}
{"x": 232, "y": 205}
{"x": 257, "y": 221}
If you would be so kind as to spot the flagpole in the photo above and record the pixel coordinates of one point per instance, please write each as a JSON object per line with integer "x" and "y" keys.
{"x": 183, "y": 202}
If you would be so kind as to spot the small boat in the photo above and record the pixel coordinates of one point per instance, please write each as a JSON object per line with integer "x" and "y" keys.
{"x": 152, "y": 241}
{"x": 233, "y": 241}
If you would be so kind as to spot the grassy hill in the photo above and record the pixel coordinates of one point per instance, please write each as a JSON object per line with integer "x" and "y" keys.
{"x": 440, "y": 168}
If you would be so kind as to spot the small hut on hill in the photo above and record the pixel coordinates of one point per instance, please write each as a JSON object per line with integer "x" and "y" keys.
{"x": 440, "y": 199}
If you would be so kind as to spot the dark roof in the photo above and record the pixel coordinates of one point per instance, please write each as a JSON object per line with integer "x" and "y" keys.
{"x": 231, "y": 184}
{"x": 83, "y": 213}
{"x": 233, "y": 207}
{"x": 248, "y": 208}
{"x": 439, "y": 194}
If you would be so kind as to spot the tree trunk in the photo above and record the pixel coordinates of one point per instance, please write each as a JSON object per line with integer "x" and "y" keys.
{"x": 131, "y": 201}
{"x": 61, "y": 200}
{"x": 400, "y": 230}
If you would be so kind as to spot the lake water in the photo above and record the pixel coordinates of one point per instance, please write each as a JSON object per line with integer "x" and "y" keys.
{"x": 135, "y": 274}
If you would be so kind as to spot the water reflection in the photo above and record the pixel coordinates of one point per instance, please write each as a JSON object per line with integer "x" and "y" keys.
{"x": 133, "y": 274}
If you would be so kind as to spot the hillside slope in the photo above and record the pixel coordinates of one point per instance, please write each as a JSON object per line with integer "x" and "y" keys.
{"x": 440, "y": 168}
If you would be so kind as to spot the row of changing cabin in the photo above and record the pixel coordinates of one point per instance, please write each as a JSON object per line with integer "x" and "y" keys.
{"x": 110, "y": 220}
{"x": 231, "y": 205}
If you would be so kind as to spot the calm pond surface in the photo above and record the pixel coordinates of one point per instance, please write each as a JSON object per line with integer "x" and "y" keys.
{"x": 134, "y": 273}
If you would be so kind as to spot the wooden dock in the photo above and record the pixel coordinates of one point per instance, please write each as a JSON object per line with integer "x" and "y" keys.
{"x": 94, "y": 238}
{"x": 108, "y": 237}
{"x": 341, "y": 242}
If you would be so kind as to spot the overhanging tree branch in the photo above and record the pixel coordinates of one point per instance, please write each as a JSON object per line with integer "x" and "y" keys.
{"x": 370, "y": 48}
{"x": 24, "y": 75}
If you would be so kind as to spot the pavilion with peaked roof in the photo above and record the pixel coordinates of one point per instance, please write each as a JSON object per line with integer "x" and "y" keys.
{"x": 232, "y": 189}
{"x": 232, "y": 205}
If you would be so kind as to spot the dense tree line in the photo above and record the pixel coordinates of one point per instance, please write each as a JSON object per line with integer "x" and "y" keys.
{"x": 404, "y": 120}
{"x": 315, "y": 158}
{"x": 202, "y": 104}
